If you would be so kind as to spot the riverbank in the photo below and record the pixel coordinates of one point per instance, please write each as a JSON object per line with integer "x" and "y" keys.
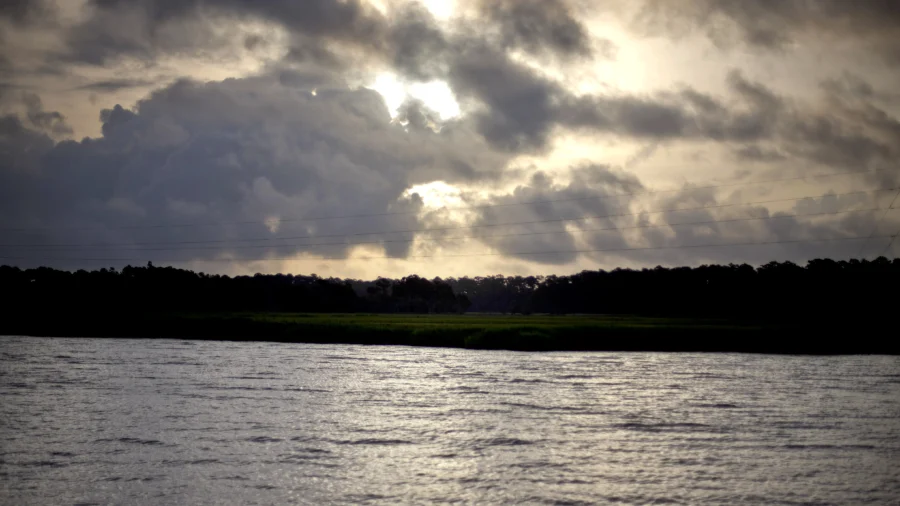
{"x": 526, "y": 333}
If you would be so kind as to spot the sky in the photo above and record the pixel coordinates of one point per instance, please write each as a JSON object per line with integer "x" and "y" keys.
{"x": 364, "y": 138}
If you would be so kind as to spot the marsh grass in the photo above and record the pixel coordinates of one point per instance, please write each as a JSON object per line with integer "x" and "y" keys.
{"x": 540, "y": 332}
{"x": 476, "y": 331}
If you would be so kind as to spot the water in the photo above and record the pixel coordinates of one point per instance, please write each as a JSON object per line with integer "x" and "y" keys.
{"x": 179, "y": 422}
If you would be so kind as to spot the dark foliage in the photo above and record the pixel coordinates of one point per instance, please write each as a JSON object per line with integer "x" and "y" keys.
{"x": 847, "y": 290}
{"x": 775, "y": 291}
{"x": 155, "y": 289}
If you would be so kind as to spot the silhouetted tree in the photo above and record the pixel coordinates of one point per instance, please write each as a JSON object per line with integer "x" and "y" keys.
{"x": 822, "y": 288}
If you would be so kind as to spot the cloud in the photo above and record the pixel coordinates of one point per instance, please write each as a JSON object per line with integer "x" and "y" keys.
{"x": 291, "y": 135}
{"x": 146, "y": 29}
{"x": 610, "y": 217}
{"x": 776, "y": 25}
{"x": 520, "y": 106}
{"x": 111, "y": 85}
{"x": 418, "y": 116}
{"x": 541, "y": 27}
{"x": 754, "y": 153}
{"x": 22, "y": 147}
{"x": 24, "y": 11}
{"x": 418, "y": 47}
{"x": 516, "y": 108}
{"x": 853, "y": 136}
{"x": 713, "y": 230}
{"x": 236, "y": 154}
{"x": 557, "y": 210}
{"x": 52, "y": 122}
{"x": 248, "y": 158}
{"x": 522, "y": 109}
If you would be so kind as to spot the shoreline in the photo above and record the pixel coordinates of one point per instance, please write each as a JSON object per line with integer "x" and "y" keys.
{"x": 488, "y": 332}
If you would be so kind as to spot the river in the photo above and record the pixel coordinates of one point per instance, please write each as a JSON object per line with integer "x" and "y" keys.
{"x": 115, "y": 421}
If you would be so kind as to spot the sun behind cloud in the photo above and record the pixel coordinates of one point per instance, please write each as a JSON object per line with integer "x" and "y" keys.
{"x": 436, "y": 95}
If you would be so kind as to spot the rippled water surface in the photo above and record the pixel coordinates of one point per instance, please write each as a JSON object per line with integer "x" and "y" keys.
{"x": 179, "y": 422}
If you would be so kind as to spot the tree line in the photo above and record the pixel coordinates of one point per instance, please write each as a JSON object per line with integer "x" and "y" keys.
{"x": 820, "y": 289}
{"x": 152, "y": 288}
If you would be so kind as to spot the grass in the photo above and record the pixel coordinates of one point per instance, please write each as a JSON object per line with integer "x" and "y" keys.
{"x": 477, "y": 331}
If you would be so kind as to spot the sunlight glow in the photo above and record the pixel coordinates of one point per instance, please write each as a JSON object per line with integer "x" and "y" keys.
{"x": 391, "y": 89}
{"x": 379, "y": 5}
{"x": 443, "y": 203}
{"x": 437, "y": 194}
{"x": 440, "y": 9}
{"x": 436, "y": 95}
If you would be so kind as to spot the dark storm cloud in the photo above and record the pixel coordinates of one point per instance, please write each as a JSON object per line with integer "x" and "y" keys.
{"x": 21, "y": 150}
{"x": 686, "y": 114}
{"x": 755, "y": 93}
{"x": 20, "y": 17}
{"x": 22, "y": 147}
{"x": 522, "y": 110}
{"x": 17, "y": 9}
{"x": 521, "y": 107}
{"x": 248, "y": 150}
{"x": 592, "y": 190}
{"x": 24, "y": 11}
{"x": 514, "y": 107}
{"x": 702, "y": 233}
{"x": 115, "y": 85}
{"x": 630, "y": 116}
{"x": 410, "y": 39}
{"x": 421, "y": 49}
{"x": 844, "y": 135}
{"x": 147, "y": 28}
{"x": 850, "y": 85}
{"x": 828, "y": 142}
{"x": 775, "y": 24}
{"x": 754, "y": 153}
{"x": 266, "y": 148}
{"x": 753, "y": 117}
{"x": 539, "y": 26}
{"x": 52, "y": 122}
{"x": 113, "y": 118}
{"x": 220, "y": 153}
{"x": 6, "y": 65}
{"x": 417, "y": 116}
{"x": 418, "y": 47}
{"x": 855, "y": 136}
{"x": 140, "y": 29}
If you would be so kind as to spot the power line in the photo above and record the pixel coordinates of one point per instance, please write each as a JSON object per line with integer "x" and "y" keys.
{"x": 442, "y": 229}
{"x": 878, "y": 223}
{"x": 492, "y": 236}
{"x": 649, "y": 248}
{"x": 552, "y": 252}
{"x": 400, "y": 213}
{"x": 890, "y": 243}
